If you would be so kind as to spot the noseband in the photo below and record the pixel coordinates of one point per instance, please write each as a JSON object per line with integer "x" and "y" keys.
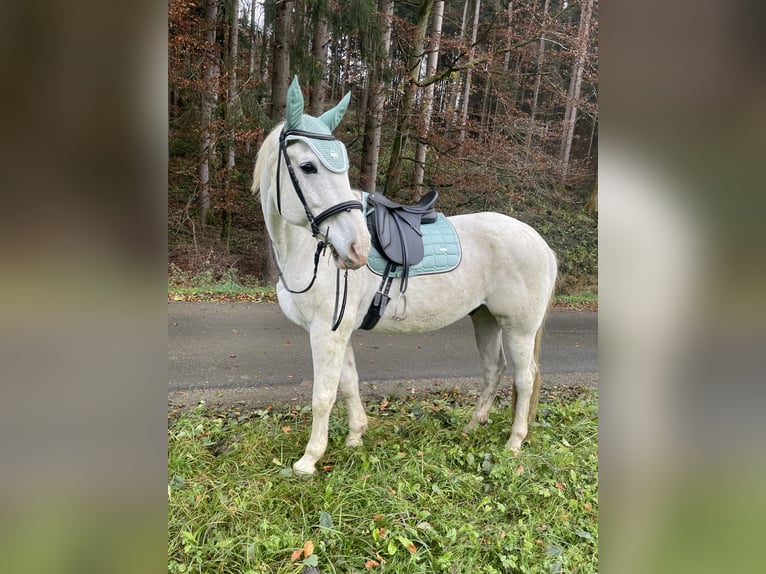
{"x": 314, "y": 221}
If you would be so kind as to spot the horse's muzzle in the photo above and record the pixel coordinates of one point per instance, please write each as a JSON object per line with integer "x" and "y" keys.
{"x": 356, "y": 256}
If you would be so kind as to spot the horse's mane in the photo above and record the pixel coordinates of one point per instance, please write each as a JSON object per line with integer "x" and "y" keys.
{"x": 266, "y": 161}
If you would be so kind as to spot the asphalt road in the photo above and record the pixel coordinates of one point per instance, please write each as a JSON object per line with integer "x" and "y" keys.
{"x": 249, "y": 353}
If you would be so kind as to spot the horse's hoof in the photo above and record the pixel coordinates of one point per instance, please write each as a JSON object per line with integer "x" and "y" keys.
{"x": 354, "y": 441}
{"x": 513, "y": 448}
{"x": 303, "y": 469}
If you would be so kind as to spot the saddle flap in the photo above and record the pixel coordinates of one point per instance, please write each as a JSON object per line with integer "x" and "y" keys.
{"x": 396, "y": 227}
{"x": 398, "y": 237}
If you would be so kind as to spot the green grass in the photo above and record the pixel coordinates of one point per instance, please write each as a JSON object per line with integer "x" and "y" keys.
{"x": 207, "y": 285}
{"x": 419, "y": 496}
{"x": 585, "y": 297}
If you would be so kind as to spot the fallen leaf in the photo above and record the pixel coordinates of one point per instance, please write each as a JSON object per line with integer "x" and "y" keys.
{"x": 308, "y": 548}
{"x": 408, "y": 544}
{"x": 559, "y": 485}
{"x": 296, "y": 555}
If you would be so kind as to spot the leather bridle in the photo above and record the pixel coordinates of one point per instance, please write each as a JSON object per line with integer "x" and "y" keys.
{"x": 314, "y": 220}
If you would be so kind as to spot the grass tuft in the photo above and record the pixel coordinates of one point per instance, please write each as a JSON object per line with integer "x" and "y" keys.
{"x": 419, "y": 496}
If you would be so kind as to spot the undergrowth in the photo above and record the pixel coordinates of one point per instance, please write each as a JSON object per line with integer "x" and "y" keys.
{"x": 418, "y": 497}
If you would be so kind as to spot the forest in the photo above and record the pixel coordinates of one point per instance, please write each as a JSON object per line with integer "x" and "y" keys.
{"x": 493, "y": 103}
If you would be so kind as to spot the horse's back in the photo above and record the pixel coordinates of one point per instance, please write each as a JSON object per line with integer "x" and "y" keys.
{"x": 505, "y": 265}
{"x": 498, "y": 239}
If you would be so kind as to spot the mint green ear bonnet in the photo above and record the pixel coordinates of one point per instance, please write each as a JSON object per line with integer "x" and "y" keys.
{"x": 332, "y": 153}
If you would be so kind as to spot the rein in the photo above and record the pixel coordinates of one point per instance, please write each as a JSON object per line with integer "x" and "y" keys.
{"x": 314, "y": 222}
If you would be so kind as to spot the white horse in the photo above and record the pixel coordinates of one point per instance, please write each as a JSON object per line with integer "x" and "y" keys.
{"x": 505, "y": 280}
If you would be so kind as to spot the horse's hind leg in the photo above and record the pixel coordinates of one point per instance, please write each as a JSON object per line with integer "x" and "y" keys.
{"x": 521, "y": 347}
{"x": 349, "y": 388}
{"x": 489, "y": 340}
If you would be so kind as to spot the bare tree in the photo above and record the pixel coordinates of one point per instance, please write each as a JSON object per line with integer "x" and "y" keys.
{"x": 251, "y": 68}
{"x": 375, "y": 102}
{"x": 570, "y": 116}
{"x": 428, "y": 97}
{"x": 455, "y": 88}
{"x": 468, "y": 72}
{"x": 538, "y": 80}
{"x": 233, "y": 111}
{"x": 404, "y": 124}
{"x": 209, "y": 100}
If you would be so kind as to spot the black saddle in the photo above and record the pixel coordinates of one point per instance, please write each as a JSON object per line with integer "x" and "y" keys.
{"x": 395, "y": 228}
{"x": 395, "y": 232}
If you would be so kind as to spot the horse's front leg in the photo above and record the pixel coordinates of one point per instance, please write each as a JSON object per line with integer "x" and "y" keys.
{"x": 349, "y": 388}
{"x": 328, "y": 350}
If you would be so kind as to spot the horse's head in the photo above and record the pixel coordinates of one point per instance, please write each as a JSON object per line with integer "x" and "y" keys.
{"x": 302, "y": 174}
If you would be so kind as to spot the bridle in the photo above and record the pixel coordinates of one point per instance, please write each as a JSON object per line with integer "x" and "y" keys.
{"x": 314, "y": 220}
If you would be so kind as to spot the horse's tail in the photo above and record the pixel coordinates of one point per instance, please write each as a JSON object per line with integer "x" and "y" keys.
{"x": 538, "y": 338}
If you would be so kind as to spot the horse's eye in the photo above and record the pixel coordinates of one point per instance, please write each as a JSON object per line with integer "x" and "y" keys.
{"x": 308, "y": 167}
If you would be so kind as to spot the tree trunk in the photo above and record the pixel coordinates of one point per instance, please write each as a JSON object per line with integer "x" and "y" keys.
{"x": 428, "y": 98}
{"x": 570, "y": 117}
{"x": 251, "y": 69}
{"x": 468, "y": 72}
{"x": 210, "y": 74}
{"x": 456, "y": 84}
{"x": 319, "y": 51}
{"x": 232, "y": 111}
{"x": 538, "y": 80}
{"x": 375, "y": 102}
{"x": 507, "y": 56}
{"x": 280, "y": 79}
{"x": 404, "y": 125}
{"x": 485, "y": 108}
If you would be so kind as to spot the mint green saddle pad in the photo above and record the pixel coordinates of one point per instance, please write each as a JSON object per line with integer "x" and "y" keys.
{"x": 441, "y": 247}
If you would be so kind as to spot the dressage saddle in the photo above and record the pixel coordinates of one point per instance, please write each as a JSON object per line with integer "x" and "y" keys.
{"x": 395, "y": 232}
{"x": 395, "y": 228}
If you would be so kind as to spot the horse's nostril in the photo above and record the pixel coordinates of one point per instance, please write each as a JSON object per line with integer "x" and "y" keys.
{"x": 358, "y": 253}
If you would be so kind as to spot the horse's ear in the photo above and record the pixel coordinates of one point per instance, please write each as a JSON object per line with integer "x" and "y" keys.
{"x": 332, "y": 118}
{"x": 294, "y": 108}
